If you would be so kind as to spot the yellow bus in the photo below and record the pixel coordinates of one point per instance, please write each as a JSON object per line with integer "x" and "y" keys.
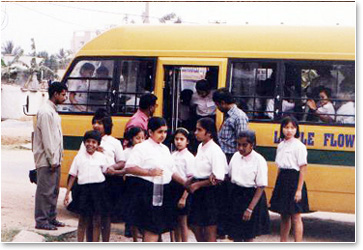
{"x": 271, "y": 70}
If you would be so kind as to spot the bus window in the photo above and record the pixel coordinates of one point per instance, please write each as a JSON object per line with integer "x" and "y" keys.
{"x": 320, "y": 92}
{"x": 136, "y": 79}
{"x": 89, "y": 86}
{"x": 253, "y": 84}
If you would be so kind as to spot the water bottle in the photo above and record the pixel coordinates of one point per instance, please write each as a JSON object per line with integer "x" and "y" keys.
{"x": 158, "y": 191}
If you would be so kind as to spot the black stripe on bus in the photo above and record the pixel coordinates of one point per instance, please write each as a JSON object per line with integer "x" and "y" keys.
{"x": 316, "y": 156}
{"x": 73, "y": 142}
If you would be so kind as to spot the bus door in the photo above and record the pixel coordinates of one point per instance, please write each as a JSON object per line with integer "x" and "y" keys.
{"x": 178, "y": 88}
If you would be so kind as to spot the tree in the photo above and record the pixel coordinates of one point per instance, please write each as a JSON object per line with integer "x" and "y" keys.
{"x": 63, "y": 57}
{"x": 170, "y": 18}
{"x": 9, "y": 49}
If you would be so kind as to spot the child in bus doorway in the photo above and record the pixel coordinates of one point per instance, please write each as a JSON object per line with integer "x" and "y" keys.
{"x": 88, "y": 167}
{"x": 184, "y": 163}
{"x": 289, "y": 197}
{"x": 248, "y": 216}
{"x": 210, "y": 159}
{"x": 202, "y": 100}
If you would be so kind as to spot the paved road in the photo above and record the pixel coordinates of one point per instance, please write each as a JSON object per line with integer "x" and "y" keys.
{"x": 17, "y": 203}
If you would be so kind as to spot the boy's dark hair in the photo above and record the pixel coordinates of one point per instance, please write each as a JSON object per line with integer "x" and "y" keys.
{"x": 186, "y": 96}
{"x": 209, "y": 125}
{"x": 147, "y": 101}
{"x": 202, "y": 85}
{"x": 286, "y": 121}
{"x": 103, "y": 116}
{"x": 56, "y": 87}
{"x": 327, "y": 91}
{"x": 223, "y": 94}
{"x": 87, "y": 66}
{"x": 102, "y": 70}
{"x": 92, "y": 134}
{"x": 155, "y": 123}
{"x": 250, "y": 135}
{"x": 130, "y": 133}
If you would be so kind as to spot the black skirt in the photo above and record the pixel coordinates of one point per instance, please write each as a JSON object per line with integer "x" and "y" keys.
{"x": 92, "y": 199}
{"x": 259, "y": 223}
{"x": 138, "y": 209}
{"x": 283, "y": 195}
{"x": 177, "y": 192}
{"x": 115, "y": 188}
{"x": 204, "y": 207}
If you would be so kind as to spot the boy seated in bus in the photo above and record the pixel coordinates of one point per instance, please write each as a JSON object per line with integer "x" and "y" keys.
{"x": 202, "y": 101}
{"x": 324, "y": 110}
{"x": 99, "y": 88}
{"x": 78, "y": 89}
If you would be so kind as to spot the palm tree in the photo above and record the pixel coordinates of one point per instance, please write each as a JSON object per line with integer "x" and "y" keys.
{"x": 63, "y": 57}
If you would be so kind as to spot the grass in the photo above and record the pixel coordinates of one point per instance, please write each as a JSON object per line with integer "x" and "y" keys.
{"x": 8, "y": 235}
{"x": 68, "y": 237}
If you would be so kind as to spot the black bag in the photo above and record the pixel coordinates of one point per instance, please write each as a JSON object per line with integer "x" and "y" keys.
{"x": 33, "y": 176}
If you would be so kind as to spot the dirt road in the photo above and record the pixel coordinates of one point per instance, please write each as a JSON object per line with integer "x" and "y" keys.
{"x": 17, "y": 205}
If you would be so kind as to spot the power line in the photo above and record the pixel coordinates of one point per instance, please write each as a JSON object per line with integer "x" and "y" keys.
{"x": 55, "y": 18}
{"x": 109, "y": 12}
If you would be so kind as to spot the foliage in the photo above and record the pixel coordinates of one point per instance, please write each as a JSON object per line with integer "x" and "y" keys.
{"x": 170, "y": 18}
{"x": 9, "y": 49}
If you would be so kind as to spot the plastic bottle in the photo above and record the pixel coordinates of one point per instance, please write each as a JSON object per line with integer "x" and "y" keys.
{"x": 158, "y": 191}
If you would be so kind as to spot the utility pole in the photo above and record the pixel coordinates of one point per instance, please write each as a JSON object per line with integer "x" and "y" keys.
{"x": 146, "y": 13}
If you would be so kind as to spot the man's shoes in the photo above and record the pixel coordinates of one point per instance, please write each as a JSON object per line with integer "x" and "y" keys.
{"x": 57, "y": 223}
{"x": 46, "y": 227}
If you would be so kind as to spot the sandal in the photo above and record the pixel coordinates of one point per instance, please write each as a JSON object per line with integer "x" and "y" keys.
{"x": 57, "y": 223}
{"x": 46, "y": 227}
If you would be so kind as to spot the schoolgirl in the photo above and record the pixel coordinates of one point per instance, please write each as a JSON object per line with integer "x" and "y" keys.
{"x": 210, "y": 159}
{"x": 112, "y": 149}
{"x": 133, "y": 136}
{"x": 289, "y": 197}
{"x": 184, "y": 163}
{"x": 248, "y": 216}
{"x": 151, "y": 165}
{"x": 88, "y": 167}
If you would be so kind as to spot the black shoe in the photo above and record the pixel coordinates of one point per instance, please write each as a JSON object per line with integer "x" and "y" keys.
{"x": 46, "y": 227}
{"x": 57, "y": 223}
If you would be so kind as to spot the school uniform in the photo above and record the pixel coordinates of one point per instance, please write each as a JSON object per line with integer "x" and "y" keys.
{"x": 204, "y": 202}
{"x": 247, "y": 173}
{"x": 89, "y": 171}
{"x": 290, "y": 155}
{"x": 184, "y": 165}
{"x": 115, "y": 186}
{"x": 139, "y": 210}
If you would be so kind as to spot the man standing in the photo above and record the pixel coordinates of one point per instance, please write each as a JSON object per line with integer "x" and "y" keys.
{"x": 235, "y": 121}
{"x": 47, "y": 150}
{"x": 147, "y": 107}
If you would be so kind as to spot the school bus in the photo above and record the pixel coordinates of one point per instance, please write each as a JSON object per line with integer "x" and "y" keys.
{"x": 272, "y": 71}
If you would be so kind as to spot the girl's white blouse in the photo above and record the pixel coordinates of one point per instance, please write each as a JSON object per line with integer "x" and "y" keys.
{"x": 291, "y": 154}
{"x": 148, "y": 155}
{"x": 248, "y": 171}
{"x": 184, "y": 163}
{"x": 210, "y": 159}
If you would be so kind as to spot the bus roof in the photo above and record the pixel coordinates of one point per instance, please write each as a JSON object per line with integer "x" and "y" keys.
{"x": 277, "y": 42}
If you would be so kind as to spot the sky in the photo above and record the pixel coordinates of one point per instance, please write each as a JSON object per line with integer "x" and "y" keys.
{"x": 52, "y": 24}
